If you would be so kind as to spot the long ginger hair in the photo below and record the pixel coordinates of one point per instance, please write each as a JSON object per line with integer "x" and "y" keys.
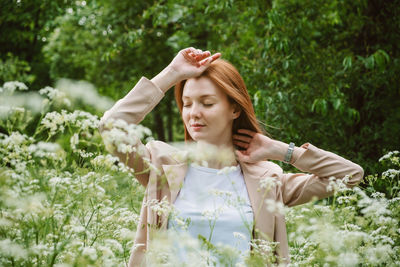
{"x": 227, "y": 78}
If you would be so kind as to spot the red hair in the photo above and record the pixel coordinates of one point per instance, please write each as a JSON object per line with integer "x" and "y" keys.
{"x": 227, "y": 78}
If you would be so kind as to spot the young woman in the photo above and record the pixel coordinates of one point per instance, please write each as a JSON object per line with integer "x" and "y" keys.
{"x": 216, "y": 109}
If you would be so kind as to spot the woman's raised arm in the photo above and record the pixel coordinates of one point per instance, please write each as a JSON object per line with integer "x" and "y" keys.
{"x": 143, "y": 98}
{"x": 319, "y": 166}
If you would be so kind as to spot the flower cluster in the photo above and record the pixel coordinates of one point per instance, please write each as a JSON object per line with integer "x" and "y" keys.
{"x": 61, "y": 209}
{"x": 56, "y": 122}
{"x": 84, "y": 92}
{"x": 55, "y": 95}
{"x": 123, "y": 137}
{"x": 162, "y": 207}
{"x": 202, "y": 154}
{"x": 269, "y": 183}
{"x": 10, "y": 87}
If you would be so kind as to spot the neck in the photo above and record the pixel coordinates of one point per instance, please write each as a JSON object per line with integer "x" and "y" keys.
{"x": 217, "y": 157}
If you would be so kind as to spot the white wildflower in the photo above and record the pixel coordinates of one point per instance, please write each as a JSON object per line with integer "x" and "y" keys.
{"x": 221, "y": 193}
{"x": 105, "y": 251}
{"x": 55, "y": 121}
{"x": 45, "y": 150}
{"x": 338, "y": 185}
{"x": 202, "y": 153}
{"x": 123, "y": 137}
{"x": 274, "y": 206}
{"x": 263, "y": 246}
{"x": 114, "y": 244}
{"x": 239, "y": 235}
{"x": 55, "y": 95}
{"x": 212, "y": 214}
{"x": 11, "y": 249}
{"x": 85, "y": 92}
{"x": 269, "y": 183}
{"x": 182, "y": 223}
{"x": 391, "y": 173}
{"x": 78, "y": 229}
{"x": 389, "y": 155}
{"x": 348, "y": 259}
{"x": 162, "y": 207}
{"x": 10, "y": 87}
{"x": 30, "y": 101}
{"x": 227, "y": 170}
{"x": 104, "y": 161}
{"x": 126, "y": 234}
{"x": 90, "y": 253}
{"x": 74, "y": 141}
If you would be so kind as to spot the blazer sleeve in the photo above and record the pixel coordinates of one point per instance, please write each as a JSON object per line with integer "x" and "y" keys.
{"x": 319, "y": 165}
{"x": 133, "y": 108}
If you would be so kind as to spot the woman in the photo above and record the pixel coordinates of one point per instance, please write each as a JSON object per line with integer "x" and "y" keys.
{"x": 216, "y": 109}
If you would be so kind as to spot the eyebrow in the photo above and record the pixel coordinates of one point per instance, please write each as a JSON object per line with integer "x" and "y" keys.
{"x": 202, "y": 96}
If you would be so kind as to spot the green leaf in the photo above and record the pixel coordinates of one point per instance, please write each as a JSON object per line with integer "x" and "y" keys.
{"x": 347, "y": 62}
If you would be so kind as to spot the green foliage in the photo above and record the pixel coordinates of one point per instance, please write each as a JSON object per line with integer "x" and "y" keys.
{"x": 318, "y": 71}
{"x": 25, "y": 27}
{"x": 13, "y": 69}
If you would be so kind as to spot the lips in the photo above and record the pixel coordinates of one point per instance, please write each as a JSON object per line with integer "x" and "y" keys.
{"x": 197, "y": 126}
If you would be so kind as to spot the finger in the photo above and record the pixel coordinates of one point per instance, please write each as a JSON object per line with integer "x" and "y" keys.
{"x": 188, "y": 55}
{"x": 207, "y": 61}
{"x": 241, "y": 156}
{"x": 187, "y": 50}
{"x": 200, "y": 55}
{"x": 243, "y": 138}
{"x": 204, "y": 55}
{"x": 215, "y": 57}
{"x": 241, "y": 144}
{"x": 248, "y": 132}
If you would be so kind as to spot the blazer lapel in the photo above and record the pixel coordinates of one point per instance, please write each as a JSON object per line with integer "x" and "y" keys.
{"x": 175, "y": 175}
{"x": 252, "y": 174}
{"x": 263, "y": 219}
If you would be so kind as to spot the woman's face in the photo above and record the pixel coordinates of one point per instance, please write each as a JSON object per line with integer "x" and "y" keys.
{"x": 207, "y": 113}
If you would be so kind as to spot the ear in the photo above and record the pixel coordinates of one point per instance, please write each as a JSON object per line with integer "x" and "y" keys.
{"x": 236, "y": 111}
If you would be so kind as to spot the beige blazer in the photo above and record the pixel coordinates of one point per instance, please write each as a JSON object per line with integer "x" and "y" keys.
{"x": 295, "y": 188}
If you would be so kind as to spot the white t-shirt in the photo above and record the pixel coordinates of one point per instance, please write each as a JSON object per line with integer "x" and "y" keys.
{"x": 217, "y": 205}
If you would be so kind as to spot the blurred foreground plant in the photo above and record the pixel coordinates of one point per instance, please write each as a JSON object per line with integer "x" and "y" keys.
{"x": 64, "y": 201}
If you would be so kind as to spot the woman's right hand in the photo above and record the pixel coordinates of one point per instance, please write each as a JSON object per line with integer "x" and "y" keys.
{"x": 191, "y": 62}
{"x": 188, "y": 63}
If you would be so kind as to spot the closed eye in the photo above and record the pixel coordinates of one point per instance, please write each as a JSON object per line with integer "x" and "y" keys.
{"x": 208, "y": 105}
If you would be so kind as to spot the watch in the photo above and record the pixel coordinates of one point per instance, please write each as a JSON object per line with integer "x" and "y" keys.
{"x": 289, "y": 153}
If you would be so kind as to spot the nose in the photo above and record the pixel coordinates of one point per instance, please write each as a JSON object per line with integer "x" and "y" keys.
{"x": 195, "y": 110}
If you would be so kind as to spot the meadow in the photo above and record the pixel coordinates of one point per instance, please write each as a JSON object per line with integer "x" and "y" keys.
{"x": 65, "y": 201}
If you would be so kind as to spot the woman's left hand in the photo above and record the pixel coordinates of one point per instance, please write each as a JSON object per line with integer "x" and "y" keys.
{"x": 256, "y": 147}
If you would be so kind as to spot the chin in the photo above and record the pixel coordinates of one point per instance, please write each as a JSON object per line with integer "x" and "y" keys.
{"x": 197, "y": 137}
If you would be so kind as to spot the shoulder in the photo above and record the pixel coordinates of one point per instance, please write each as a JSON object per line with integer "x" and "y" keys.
{"x": 262, "y": 169}
{"x": 162, "y": 152}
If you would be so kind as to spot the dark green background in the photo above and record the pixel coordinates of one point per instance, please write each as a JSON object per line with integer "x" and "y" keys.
{"x": 324, "y": 72}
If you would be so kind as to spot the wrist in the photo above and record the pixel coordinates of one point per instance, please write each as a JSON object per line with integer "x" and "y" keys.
{"x": 289, "y": 153}
{"x": 276, "y": 150}
{"x": 167, "y": 78}
{"x": 174, "y": 73}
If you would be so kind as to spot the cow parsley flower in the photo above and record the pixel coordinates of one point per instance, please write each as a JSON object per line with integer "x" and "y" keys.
{"x": 269, "y": 183}
{"x": 10, "y": 87}
{"x": 274, "y": 206}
